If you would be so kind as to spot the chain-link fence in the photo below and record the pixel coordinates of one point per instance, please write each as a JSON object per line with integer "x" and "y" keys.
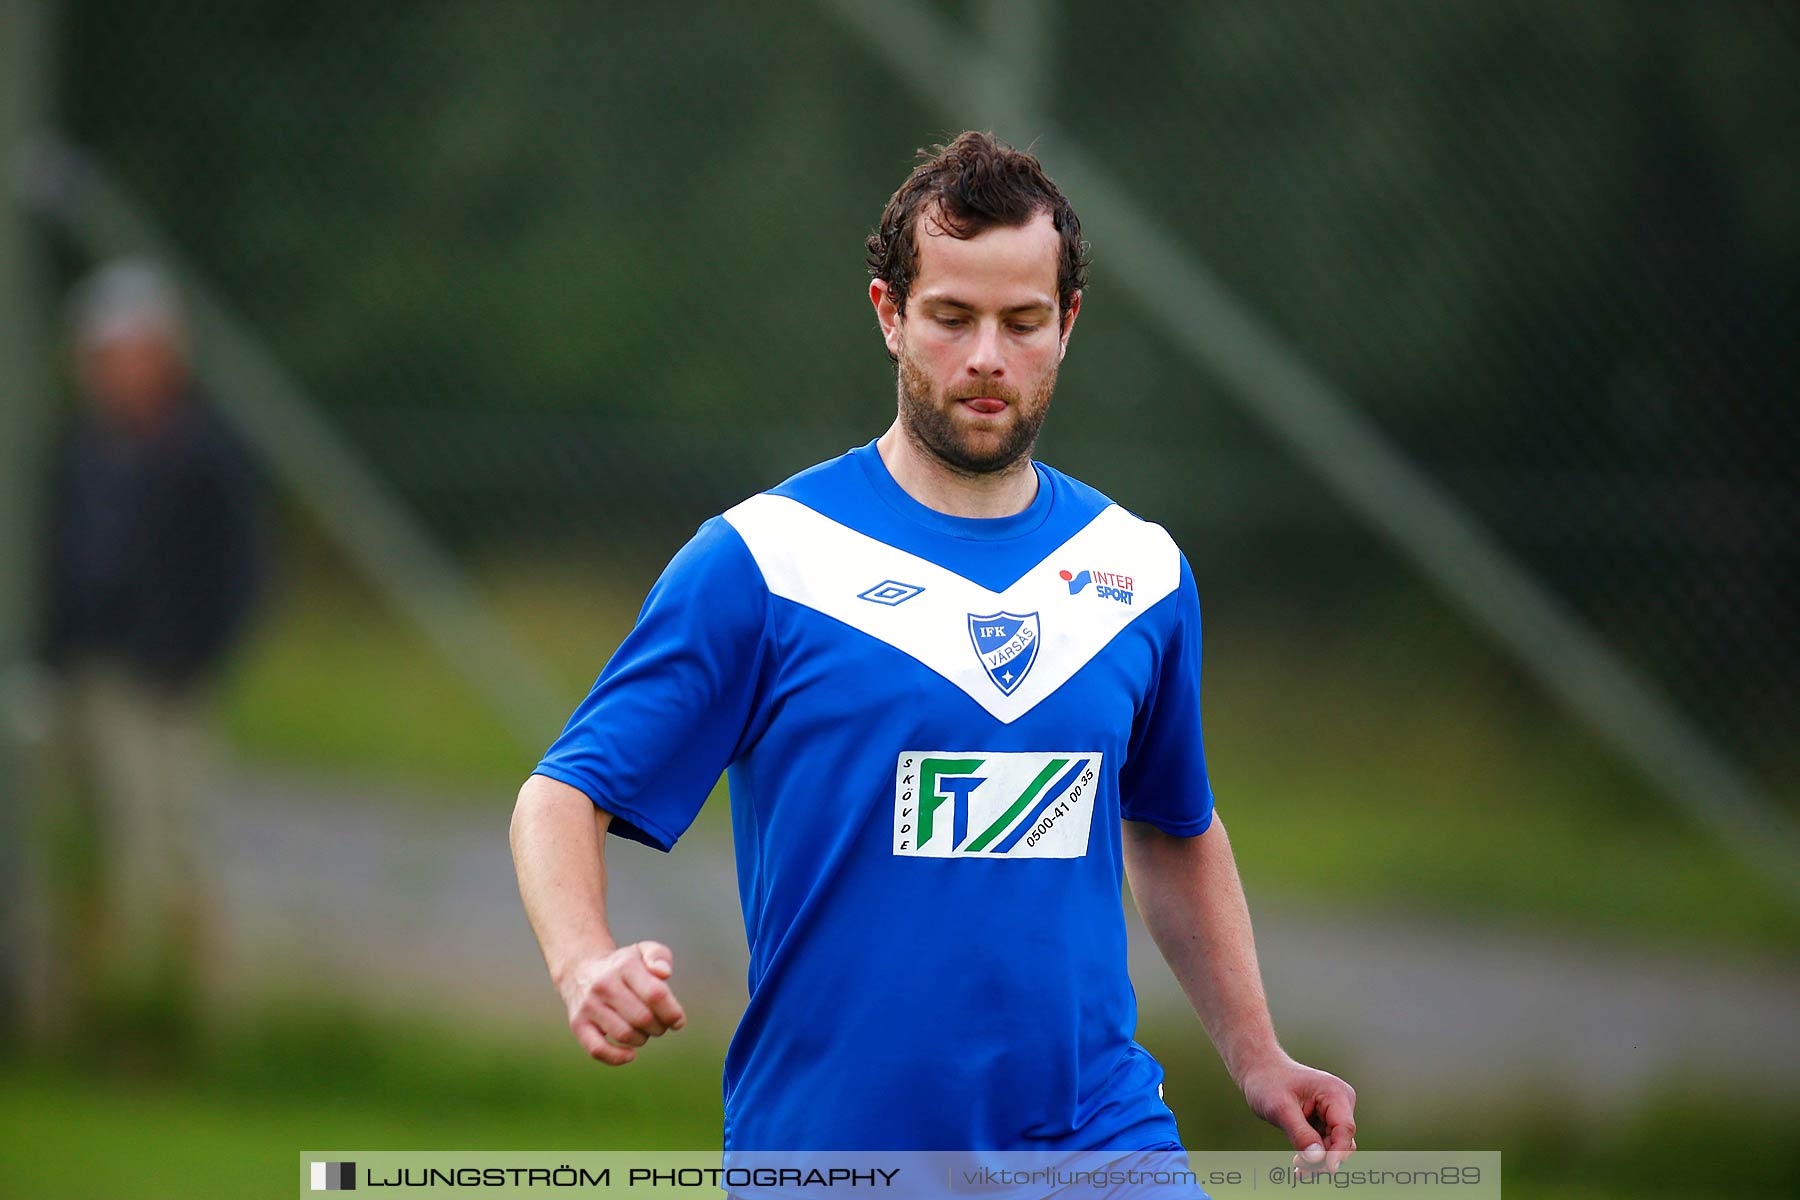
{"x": 573, "y": 277}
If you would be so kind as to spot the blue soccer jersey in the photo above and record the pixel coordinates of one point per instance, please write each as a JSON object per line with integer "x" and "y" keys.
{"x": 931, "y": 727}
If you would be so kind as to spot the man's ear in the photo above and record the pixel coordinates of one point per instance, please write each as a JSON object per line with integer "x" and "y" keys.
{"x": 1068, "y": 323}
{"x": 887, "y": 313}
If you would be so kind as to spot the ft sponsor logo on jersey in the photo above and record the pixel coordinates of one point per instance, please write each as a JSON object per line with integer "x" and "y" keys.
{"x": 974, "y": 804}
{"x": 1007, "y": 644}
{"x": 1108, "y": 585}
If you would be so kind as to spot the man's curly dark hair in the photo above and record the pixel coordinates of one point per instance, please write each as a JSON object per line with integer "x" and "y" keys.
{"x": 970, "y": 186}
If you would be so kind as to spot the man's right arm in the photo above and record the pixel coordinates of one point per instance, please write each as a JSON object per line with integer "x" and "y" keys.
{"x": 617, "y": 997}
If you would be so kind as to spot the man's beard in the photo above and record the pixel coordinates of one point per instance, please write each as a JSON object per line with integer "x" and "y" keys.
{"x": 932, "y": 425}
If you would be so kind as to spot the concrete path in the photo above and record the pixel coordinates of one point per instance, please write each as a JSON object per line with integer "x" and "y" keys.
{"x": 409, "y": 903}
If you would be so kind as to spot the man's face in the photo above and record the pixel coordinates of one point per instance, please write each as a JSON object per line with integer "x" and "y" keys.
{"x": 979, "y": 344}
{"x": 133, "y": 376}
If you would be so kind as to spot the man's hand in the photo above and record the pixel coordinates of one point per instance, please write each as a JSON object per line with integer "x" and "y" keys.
{"x": 1316, "y": 1109}
{"x": 621, "y": 1000}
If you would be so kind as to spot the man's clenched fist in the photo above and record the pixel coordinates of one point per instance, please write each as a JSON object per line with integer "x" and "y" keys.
{"x": 621, "y": 1000}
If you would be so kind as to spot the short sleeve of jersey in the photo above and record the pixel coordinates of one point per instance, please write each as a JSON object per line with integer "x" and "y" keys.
{"x": 1163, "y": 780}
{"x": 671, "y": 707}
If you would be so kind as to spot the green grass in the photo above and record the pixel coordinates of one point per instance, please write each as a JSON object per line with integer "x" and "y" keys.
{"x": 1390, "y": 760}
{"x": 114, "y": 1119}
{"x": 1679, "y": 1138}
{"x": 125, "y": 1121}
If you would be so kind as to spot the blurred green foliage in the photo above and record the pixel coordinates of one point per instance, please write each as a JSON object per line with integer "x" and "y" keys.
{"x": 580, "y": 276}
{"x": 541, "y": 225}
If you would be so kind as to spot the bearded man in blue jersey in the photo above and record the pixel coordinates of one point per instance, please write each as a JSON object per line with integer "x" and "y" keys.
{"x": 930, "y": 864}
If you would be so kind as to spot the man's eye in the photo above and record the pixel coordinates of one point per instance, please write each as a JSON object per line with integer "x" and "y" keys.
{"x": 950, "y": 322}
{"x": 1024, "y": 328}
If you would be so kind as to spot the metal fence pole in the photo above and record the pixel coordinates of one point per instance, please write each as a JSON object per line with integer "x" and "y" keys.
{"x": 1014, "y": 101}
{"x": 24, "y": 51}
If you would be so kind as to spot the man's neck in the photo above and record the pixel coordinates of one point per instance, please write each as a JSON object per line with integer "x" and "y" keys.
{"x": 955, "y": 493}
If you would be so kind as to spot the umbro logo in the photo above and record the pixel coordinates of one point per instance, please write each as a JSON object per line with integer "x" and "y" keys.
{"x": 889, "y": 592}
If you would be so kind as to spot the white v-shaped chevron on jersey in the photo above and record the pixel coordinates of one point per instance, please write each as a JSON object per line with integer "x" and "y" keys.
{"x": 812, "y": 560}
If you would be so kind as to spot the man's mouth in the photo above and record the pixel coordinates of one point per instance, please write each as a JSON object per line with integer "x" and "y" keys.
{"x": 986, "y": 405}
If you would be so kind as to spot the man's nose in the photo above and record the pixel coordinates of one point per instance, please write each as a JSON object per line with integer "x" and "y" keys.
{"x": 984, "y": 356}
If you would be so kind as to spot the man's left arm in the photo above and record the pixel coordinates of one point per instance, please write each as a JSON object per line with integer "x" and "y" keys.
{"x": 1188, "y": 892}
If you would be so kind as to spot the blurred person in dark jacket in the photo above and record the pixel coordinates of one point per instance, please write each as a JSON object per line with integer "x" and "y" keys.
{"x": 153, "y": 564}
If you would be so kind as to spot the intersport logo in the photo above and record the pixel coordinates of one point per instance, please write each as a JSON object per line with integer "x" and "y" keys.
{"x": 976, "y": 804}
{"x": 1108, "y": 585}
